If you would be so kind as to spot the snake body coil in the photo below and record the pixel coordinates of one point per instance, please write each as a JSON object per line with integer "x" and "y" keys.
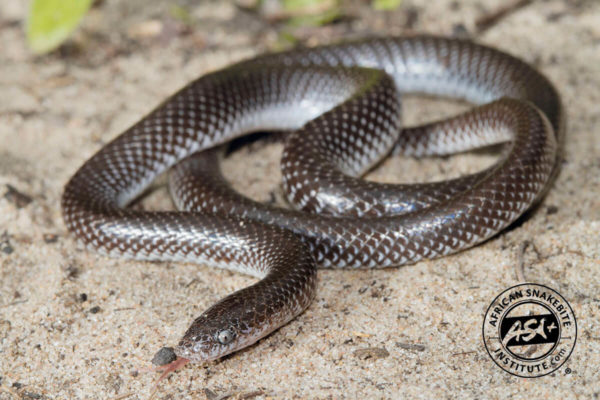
{"x": 343, "y": 104}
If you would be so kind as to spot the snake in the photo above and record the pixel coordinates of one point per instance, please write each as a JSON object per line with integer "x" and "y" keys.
{"x": 341, "y": 106}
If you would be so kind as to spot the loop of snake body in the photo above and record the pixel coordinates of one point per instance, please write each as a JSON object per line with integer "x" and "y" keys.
{"x": 342, "y": 103}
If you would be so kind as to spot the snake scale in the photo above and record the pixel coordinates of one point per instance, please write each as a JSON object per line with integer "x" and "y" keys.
{"x": 342, "y": 104}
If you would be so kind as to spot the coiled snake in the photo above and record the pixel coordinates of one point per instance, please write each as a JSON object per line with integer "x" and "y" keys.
{"x": 343, "y": 104}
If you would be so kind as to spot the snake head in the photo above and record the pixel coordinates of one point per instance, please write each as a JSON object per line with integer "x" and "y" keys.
{"x": 224, "y": 328}
{"x": 206, "y": 341}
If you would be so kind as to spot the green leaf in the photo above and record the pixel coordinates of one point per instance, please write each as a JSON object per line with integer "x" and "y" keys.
{"x": 312, "y": 12}
{"x": 320, "y": 19}
{"x": 386, "y": 4}
{"x": 50, "y": 22}
{"x": 293, "y": 5}
{"x": 310, "y": 7}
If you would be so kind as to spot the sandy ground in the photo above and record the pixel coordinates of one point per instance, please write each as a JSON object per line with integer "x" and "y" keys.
{"x": 77, "y": 325}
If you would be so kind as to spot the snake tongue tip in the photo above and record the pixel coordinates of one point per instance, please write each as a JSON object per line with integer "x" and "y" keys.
{"x": 167, "y": 369}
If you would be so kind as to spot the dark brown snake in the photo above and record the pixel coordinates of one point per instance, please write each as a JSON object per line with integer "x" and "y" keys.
{"x": 342, "y": 103}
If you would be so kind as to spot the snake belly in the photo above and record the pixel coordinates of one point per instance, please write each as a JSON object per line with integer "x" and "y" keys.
{"x": 342, "y": 103}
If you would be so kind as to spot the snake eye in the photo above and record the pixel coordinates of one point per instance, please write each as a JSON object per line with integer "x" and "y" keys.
{"x": 225, "y": 336}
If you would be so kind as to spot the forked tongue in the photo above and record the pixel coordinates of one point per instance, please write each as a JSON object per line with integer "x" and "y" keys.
{"x": 166, "y": 370}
